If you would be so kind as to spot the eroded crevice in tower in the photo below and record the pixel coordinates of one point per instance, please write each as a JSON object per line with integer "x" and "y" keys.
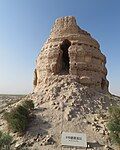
{"x": 35, "y": 78}
{"x": 103, "y": 84}
{"x": 65, "y": 57}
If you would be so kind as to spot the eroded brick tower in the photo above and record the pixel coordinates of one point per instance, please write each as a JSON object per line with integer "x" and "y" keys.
{"x": 71, "y": 51}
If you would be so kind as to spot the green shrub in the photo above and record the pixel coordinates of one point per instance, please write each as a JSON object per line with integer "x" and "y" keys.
{"x": 18, "y": 118}
{"x": 114, "y": 124}
{"x": 28, "y": 104}
{"x": 16, "y": 121}
{"x": 5, "y": 140}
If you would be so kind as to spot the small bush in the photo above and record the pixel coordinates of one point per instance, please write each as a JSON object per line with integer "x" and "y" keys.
{"x": 16, "y": 121}
{"x": 18, "y": 118}
{"x": 28, "y": 104}
{"x": 5, "y": 140}
{"x": 114, "y": 124}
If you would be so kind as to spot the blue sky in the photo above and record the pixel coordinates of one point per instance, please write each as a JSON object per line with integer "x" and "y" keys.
{"x": 26, "y": 24}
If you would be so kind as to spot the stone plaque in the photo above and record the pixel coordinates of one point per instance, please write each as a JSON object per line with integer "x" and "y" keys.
{"x": 74, "y": 139}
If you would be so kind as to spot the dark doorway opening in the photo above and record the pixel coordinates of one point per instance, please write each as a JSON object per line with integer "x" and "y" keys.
{"x": 65, "y": 56}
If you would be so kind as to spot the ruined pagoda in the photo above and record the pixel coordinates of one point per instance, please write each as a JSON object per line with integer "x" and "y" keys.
{"x": 71, "y": 51}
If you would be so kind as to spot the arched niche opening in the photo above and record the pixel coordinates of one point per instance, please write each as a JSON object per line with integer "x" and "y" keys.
{"x": 65, "y": 56}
